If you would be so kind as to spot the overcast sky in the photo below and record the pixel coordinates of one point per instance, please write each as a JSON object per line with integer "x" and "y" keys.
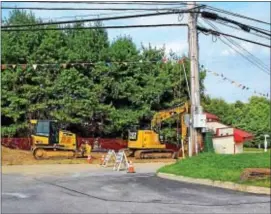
{"x": 214, "y": 55}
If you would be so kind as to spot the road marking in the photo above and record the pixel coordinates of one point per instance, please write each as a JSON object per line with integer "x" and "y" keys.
{"x": 16, "y": 194}
{"x": 109, "y": 189}
{"x": 76, "y": 175}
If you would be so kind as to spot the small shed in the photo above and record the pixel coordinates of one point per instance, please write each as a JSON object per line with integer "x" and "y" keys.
{"x": 226, "y": 139}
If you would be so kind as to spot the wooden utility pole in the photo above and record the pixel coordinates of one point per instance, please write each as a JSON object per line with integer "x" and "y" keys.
{"x": 194, "y": 77}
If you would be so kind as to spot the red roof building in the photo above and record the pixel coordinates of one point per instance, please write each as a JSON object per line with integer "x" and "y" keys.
{"x": 211, "y": 117}
{"x": 240, "y": 136}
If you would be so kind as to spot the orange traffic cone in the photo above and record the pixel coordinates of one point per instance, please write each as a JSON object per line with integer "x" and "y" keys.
{"x": 89, "y": 159}
{"x": 102, "y": 160}
{"x": 131, "y": 168}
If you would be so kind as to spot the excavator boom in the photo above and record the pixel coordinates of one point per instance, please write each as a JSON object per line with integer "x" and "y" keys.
{"x": 169, "y": 113}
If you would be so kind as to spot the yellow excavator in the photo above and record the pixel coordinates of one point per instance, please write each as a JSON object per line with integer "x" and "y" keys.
{"x": 48, "y": 140}
{"x": 150, "y": 143}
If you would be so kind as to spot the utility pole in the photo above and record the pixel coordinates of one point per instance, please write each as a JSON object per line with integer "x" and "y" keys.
{"x": 194, "y": 78}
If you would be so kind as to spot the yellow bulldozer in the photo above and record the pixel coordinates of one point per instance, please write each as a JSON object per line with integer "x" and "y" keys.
{"x": 150, "y": 143}
{"x": 49, "y": 141}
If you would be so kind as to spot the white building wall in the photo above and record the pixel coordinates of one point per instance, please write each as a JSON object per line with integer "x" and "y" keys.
{"x": 239, "y": 148}
{"x": 224, "y": 131}
{"x": 224, "y": 145}
{"x": 214, "y": 125}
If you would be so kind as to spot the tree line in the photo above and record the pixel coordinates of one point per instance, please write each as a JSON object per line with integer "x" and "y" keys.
{"x": 102, "y": 99}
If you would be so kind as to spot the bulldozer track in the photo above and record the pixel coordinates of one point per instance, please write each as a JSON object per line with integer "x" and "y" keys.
{"x": 153, "y": 154}
{"x": 48, "y": 153}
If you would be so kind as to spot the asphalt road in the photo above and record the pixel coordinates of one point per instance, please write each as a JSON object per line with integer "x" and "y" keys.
{"x": 105, "y": 191}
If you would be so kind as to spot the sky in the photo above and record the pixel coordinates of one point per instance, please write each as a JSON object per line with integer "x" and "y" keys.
{"x": 213, "y": 54}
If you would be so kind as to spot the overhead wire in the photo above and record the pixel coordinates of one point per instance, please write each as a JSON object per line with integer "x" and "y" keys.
{"x": 100, "y": 19}
{"x": 152, "y": 26}
{"x": 116, "y": 2}
{"x": 237, "y": 28}
{"x": 98, "y": 14}
{"x": 245, "y": 27}
{"x": 218, "y": 33}
{"x": 159, "y": 3}
{"x": 96, "y": 27}
{"x": 95, "y": 9}
{"x": 235, "y": 47}
{"x": 237, "y": 15}
{"x": 255, "y": 59}
{"x": 232, "y": 81}
{"x": 90, "y": 15}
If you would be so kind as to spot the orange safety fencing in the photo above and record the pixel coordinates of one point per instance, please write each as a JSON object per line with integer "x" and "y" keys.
{"x": 17, "y": 143}
{"x": 103, "y": 143}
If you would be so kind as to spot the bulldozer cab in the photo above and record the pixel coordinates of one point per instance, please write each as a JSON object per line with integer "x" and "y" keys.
{"x": 47, "y": 129}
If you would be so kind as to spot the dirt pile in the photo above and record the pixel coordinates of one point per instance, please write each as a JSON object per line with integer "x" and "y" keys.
{"x": 15, "y": 157}
{"x": 20, "y": 157}
{"x": 255, "y": 173}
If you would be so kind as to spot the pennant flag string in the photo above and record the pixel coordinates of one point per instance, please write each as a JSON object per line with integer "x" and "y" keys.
{"x": 109, "y": 63}
{"x": 65, "y": 65}
{"x": 35, "y": 66}
{"x": 238, "y": 84}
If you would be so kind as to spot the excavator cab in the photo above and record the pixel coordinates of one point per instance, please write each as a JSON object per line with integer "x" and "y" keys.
{"x": 144, "y": 138}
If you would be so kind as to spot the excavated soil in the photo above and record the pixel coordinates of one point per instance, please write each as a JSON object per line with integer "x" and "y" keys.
{"x": 20, "y": 157}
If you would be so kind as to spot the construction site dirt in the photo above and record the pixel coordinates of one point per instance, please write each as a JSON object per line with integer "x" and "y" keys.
{"x": 20, "y": 157}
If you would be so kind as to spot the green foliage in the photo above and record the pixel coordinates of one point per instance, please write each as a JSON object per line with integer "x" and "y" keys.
{"x": 218, "y": 167}
{"x": 253, "y": 116}
{"x": 100, "y": 99}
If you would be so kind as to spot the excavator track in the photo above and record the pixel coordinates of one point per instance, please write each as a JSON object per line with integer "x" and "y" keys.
{"x": 152, "y": 154}
{"x": 48, "y": 153}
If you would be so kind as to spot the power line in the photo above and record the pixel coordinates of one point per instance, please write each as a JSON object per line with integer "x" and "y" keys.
{"x": 258, "y": 61}
{"x": 216, "y": 33}
{"x": 225, "y": 24}
{"x": 234, "y": 45}
{"x": 87, "y": 15}
{"x": 99, "y": 19}
{"x": 72, "y": 8}
{"x": 117, "y": 2}
{"x": 255, "y": 61}
{"x": 96, "y": 27}
{"x": 237, "y": 15}
{"x": 245, "y": 27}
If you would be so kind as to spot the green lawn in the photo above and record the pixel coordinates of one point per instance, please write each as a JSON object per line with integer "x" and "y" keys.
{"x": 220, "y": 167}
{"x": 256, "y": 150}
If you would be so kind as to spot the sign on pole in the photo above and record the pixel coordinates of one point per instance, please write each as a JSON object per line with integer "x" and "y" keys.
{"x": 109, "y": 156}
{"x": 121, "y": 161}
{"x": 265, "y": 142}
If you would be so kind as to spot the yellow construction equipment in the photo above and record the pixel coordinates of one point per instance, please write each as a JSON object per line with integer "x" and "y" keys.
{"x": 150, "y": 143}
{"x": 49, "y": 141}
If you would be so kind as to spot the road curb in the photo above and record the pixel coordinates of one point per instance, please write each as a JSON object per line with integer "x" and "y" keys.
{"x": 221, "y": 184}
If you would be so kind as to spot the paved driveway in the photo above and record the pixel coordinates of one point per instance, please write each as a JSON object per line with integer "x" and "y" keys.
{"x": 99, "y": 190}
